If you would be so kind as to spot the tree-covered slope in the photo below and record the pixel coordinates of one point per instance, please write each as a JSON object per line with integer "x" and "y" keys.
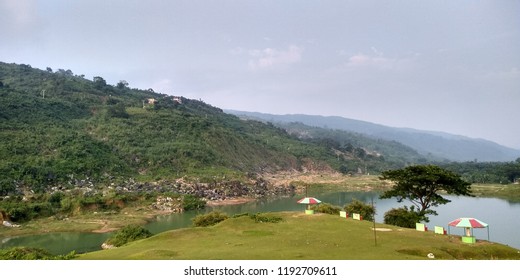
{"x": 56, "y": 126}
{"x": 436, "y": 145}
{"x": 389, "y": 154}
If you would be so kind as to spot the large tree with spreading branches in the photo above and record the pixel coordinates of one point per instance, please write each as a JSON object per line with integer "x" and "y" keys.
{"x": 422, "y": 185}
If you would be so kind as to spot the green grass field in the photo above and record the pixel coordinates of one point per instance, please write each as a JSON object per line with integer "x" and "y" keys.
{"x": 300, "y": 236}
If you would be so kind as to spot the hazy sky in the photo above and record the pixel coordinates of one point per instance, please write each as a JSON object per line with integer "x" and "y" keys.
{"x": 450, "y": 66}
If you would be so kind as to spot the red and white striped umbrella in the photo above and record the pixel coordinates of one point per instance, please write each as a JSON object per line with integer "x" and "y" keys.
{"x": 467, "y": 223}
{"x": 309, "y": 200}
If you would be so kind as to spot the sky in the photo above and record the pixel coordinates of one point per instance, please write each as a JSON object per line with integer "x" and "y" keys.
{"x": 451, "y": 66}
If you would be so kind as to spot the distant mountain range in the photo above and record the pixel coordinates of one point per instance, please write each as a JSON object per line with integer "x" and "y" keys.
{"x": 433, "y": 144}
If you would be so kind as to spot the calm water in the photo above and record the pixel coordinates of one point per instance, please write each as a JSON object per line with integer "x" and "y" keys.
{"x": 503, "y": 219}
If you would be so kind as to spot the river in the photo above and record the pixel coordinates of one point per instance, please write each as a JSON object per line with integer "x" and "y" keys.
{"x": 502, "y": 216}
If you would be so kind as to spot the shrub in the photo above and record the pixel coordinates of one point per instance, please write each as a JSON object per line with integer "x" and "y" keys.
{"x": 366, "y": 211}
{"x": 265, "y": 218}
{"x": 19, "y": 213}
{"x": 55, "y": 199}
{"x": 241, "y": 215}
{"x": 402, "y": 217}
{"x": 260, "y": 217}
{"x": 43, "y": 209}
{"x": 128, "y": 234}
{"x": 212, "y": 218}
{"x": 326, "y": 208}
{"x": 117, "y": 111}
{"x": 66, "y": 204}
{"x": 28, "y": 253}
{"x": 191, "y": 202}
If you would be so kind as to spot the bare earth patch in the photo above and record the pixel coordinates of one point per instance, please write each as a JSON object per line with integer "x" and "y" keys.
{"x": 382, "y": 229}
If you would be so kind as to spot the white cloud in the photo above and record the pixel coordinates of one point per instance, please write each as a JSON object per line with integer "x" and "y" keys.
{"x": 378, "y": 61}
{"x": 269, "y": 57}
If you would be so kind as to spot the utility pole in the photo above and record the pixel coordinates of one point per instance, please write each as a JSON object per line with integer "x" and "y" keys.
{"x": 43, "y": 94}
{"x": 375, "y": 236}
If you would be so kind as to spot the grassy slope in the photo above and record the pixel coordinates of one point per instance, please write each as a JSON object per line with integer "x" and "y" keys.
{"x": 302, "y": 236}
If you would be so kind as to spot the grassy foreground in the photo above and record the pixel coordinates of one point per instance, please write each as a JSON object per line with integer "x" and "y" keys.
{"x": 300, "y": 236}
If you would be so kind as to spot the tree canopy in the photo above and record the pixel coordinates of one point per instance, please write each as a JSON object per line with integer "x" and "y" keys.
{"x": 421, "y": 184}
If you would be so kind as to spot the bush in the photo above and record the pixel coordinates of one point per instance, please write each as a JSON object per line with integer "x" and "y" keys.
{"x": 265, "y": 218}
{"x": 43, "y": 209}
{"x": 241, "y": 215}
{"x": 366, "y": 211}
{"x": 191, "y": 202}
{"x": 117, "y": 111}
{"x": 260, "y": 217}
{"x": 212, "y": 218}
{"x": 402, "y": 217}
{"x": 27, "y": 253}
{"x": 20, "y": 213}
{"x": 128, "y": 234}
{"x": 66, "y": 204}
{"x": 55, "y": 199}
{"x": 326, "y": 208}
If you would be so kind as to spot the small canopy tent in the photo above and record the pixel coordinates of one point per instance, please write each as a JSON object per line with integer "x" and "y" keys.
{"x": 309, "y": 201}
{"x": 469, "y": 224}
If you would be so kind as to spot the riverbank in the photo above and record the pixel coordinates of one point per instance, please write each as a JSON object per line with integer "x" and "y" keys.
{"x": 301, "y": 182}
{"x": 100, "y": 222}
{"x": 509, "y": 192}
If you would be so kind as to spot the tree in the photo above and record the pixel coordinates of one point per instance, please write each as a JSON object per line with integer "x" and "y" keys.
{"x": 99, "y": 82}
{"x": 421, "y": 184}
{"x": 122, "y": 84}
{"x": 117, "y": 111}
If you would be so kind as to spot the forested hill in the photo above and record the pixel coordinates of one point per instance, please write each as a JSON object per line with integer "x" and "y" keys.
{"x": 436, "y": 145}
{"x": 56, "y": 126}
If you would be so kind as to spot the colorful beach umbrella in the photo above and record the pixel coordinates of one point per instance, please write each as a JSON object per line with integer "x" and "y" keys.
{"x": 309, "y": 200}
{"x": 468, "y": 224}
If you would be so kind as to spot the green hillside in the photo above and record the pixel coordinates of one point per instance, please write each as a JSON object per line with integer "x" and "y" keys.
{"x": 56, "y": 126}
{"x": 378, "y": 154}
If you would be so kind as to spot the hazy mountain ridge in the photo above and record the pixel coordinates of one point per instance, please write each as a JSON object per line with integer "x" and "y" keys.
{"x": 439, "y": 145}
